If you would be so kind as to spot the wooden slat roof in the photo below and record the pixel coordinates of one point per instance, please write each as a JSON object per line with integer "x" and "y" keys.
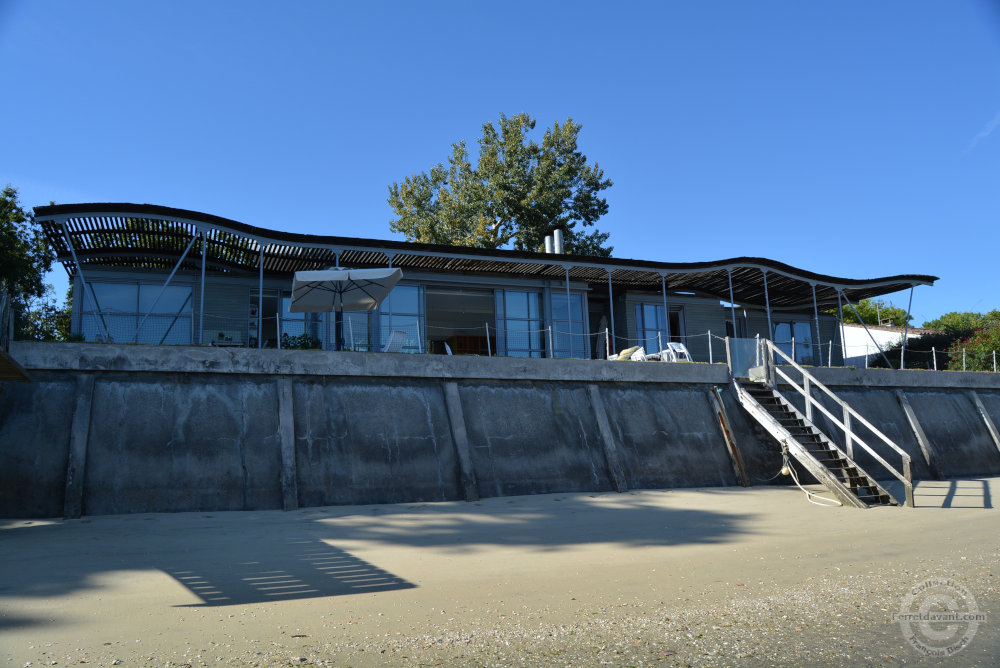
{"x": 151, "y": 237}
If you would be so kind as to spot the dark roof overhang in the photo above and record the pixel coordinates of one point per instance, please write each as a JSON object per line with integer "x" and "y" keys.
{"x": 152, "y": 237}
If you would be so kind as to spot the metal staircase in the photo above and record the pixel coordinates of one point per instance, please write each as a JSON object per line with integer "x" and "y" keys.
{"x": 756, "y": 380}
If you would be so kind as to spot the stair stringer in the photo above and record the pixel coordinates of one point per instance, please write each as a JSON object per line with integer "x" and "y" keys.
{"x": 799, "y": 452}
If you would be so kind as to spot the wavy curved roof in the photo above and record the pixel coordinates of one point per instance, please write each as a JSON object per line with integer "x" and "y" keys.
{"x": 152, "y": 237}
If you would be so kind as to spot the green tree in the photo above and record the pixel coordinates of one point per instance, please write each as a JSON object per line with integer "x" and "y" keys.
{"x": 24, "y": 254}
{"x": 964, "y": 322}
{"x": 875, "y": 312}
{"x": 45, "y": 319}
{"x": 25, "y": 257}
{"x": 518, "y": 192}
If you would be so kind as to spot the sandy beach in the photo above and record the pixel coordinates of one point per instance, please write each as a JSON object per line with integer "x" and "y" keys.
{"x": 675, "y": 577}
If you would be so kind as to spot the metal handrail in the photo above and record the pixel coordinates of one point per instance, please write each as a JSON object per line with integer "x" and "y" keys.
{"x": 850, "y": 437}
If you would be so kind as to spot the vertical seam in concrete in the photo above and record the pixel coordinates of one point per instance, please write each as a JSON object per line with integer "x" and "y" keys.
{"x": 286, "y": 432}
{"x": 76, "y": 462}
{"x": 930, "y": 456}
{"x": 460, "y": 437}
{"x": 607, "y": 439}
{"x": 990, "y": 427}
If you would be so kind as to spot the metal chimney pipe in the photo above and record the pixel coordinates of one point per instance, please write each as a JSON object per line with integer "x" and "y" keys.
{"x": 558, "y": 240}
{"x": 548, "y": 244}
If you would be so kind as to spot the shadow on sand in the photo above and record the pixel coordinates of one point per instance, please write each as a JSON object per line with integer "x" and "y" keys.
{"x": 243, "y": 558}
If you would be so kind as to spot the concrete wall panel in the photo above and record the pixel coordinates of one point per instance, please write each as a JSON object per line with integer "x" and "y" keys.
{"x": 533, "y": 438}
{"x": 670, "y": 436}
{"x": 180, "y": 443}
{"x": 34, "y": 445}
{"x": 373, "y": 441}
{"x": 954, "y": 426}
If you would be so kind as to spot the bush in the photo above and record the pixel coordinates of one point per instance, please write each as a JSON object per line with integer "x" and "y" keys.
{"x": 300, "y": 342}
{"x": 979, "y": 350}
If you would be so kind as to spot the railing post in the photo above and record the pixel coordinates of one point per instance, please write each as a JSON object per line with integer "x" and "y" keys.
{"x": 729, "y": 357}
{"x": 607, "y": 344}
{"x": 806, "y": 390}
{"x": 489, "y": 348}
{"x": 772, "y": 379}
{"x": 710, "y": 347}
{"x": 848, "y": 436}
{"x": 963, "y": 359}
{"x": 934, "y": 355}
{"x": 909, "y": 482}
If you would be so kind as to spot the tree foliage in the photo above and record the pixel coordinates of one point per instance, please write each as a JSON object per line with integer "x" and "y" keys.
{"x": 980, "y": 349}
{"x": 25, "y": 257}
{"x": 875, "y": 312}
{"x": 964, "y": 322}
{"x": 45, "y": 319}
{"x": 518, "y": 192}
{"x": 24, "y": 254}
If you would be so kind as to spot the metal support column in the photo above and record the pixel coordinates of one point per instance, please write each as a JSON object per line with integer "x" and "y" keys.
{"x": 83, "y": 285}
{"x": 843, "y": 339}
{"x": 569, "y": 313}
{"x": 767, "y": 307}
{"x": 611, "y": 311}
{"x": 870, "y": 335}
{"x": 819, "y": 347}
{"x": 732, "y": 304}
{"x": 666, "y": 308}
{"x": 165, "y": 284}
{"x": 201, "y": 307}
{"x": 260, "y": 297}
{"x": 906, "y": 330}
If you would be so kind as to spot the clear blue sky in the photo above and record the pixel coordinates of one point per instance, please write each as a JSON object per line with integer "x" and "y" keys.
{"x": 852, "y": 138}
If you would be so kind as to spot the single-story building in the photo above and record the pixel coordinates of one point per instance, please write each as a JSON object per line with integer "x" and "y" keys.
{"x": 156, "y": 275}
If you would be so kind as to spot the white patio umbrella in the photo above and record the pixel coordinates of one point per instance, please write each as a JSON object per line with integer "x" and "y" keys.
{"x": 341, "y": 289}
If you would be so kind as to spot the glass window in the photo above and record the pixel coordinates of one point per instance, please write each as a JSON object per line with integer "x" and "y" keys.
{"x": 113, "y": 297}
{"x": 175, "y": 298}
{"x": 519, "y": 324}
{"x": 794, "y": 338}
{"x": 403, "y": 311}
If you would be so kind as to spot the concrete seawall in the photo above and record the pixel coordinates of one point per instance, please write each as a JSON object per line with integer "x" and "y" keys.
{"x": 108, "y": 429}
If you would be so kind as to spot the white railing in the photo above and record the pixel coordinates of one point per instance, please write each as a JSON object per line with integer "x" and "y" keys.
{"x": 844, "y": 423}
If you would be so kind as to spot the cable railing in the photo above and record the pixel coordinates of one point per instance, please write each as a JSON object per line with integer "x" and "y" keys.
{"x": 512, "y": 338}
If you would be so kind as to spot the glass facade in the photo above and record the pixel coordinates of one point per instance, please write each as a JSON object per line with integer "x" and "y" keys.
{"x": 118, "y": 312}
{"x": 569, "y": 336}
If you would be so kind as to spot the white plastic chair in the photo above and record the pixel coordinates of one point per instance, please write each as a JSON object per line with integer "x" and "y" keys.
{"x": 675, "y": 352}
{"x": 395, "y": 342}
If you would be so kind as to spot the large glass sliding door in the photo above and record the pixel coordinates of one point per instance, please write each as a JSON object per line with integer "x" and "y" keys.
{"x": 569, "y": 337}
